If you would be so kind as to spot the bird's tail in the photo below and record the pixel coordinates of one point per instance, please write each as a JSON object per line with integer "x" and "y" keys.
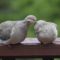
{"x": 2, "y": 43}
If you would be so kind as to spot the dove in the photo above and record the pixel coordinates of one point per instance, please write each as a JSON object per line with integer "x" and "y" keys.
{"x": 19, "y": 30}
{"x": 46, "y": 32}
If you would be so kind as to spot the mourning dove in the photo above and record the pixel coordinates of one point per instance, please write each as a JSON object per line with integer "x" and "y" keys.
{"x": 19, "y": 30}
{"x": 46, "y": 31}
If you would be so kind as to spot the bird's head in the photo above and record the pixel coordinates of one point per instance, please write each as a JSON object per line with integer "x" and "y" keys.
{"x": 31, "y": 19}
{"x": 39, "y": 24}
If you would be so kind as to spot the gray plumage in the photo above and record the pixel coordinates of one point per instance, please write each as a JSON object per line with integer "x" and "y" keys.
{"x": 46, "y": 31}
{"x": 19, "y": 30}
{"x": 5, "y": 29}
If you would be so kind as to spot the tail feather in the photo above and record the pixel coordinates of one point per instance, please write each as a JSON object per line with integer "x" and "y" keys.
{"x": 3, "y": 42}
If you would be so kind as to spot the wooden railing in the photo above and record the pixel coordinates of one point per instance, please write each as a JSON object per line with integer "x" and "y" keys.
{"x": 47, "y": 52}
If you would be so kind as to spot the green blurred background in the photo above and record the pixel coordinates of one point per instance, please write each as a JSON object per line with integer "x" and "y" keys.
{"x": 43, "y": 9}
{"x": 18, "y": 9}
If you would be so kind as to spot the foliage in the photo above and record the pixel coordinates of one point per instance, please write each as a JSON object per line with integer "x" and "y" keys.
{"x": 18, "y": 9}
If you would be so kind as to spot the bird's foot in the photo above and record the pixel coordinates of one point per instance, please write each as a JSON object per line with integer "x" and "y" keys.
{"x": 13, "y": 45}
{"x": 17, "y": 44}
{"x": 46, "y": 45}
{"x": 10, "y": 46}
